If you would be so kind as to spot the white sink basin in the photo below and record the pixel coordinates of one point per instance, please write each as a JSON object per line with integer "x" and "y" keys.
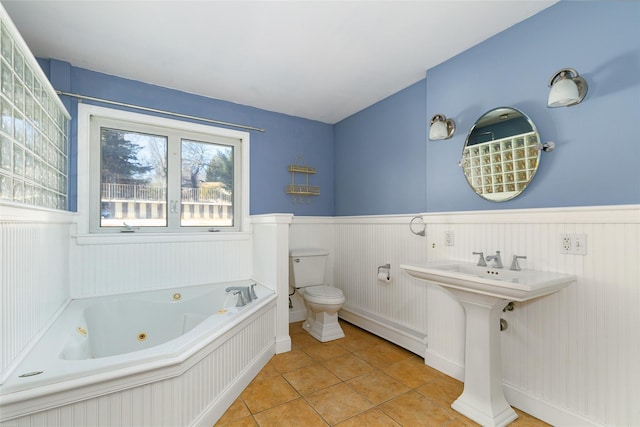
{"x": 496, "y": 282}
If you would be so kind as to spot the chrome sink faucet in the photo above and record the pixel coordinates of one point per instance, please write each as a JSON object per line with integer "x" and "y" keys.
{"x": 481, "y": 261}
{"x": 497, "y": 261}
{"x": 514, "y": 264}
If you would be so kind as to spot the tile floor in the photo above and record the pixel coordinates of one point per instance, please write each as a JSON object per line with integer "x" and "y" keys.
{"x": 359, "y": 380}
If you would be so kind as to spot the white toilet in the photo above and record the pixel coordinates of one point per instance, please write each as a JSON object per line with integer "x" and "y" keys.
{"x": 306, "y": 274}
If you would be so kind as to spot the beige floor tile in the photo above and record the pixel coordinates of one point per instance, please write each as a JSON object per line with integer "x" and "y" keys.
{"x": 338, "y": 403}
{"x": 442, "y": 390}
{"x": 311, "y": 378}
{"x": 236, "y": 411}
{"x": 372, "y": 370}
{"x": 294, "y": 359}
{"x": 355, "y": 341}
{"x": 267, "y": 393}
{"x": 460, "y": 420}
{"x": 242, "y": 422}
{"x": 414, "y": 409}
{"x": 324, "y": 351}
{"x": 383, "y": 355}
{"x": 412, "y": 372}
{"x": 371, "y": 418}
{"x": 296, "y": 413}
{"x": 526, "y": 420}
{"x": 347, "y": 366}
{"x": 268, "y": 371}
{"x": 377, "y": 387}
{"x": 302, "y": 339}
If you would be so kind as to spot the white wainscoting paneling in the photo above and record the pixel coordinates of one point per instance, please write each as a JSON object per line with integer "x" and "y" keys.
{"x": 104, "y": 269}
{"x": 34, "y": 276}
{"x": 570, "y": 358}
{"x": 363, "y": 247}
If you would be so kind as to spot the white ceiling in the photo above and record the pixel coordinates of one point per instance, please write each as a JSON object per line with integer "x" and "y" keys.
{"x": 322, "y": 60}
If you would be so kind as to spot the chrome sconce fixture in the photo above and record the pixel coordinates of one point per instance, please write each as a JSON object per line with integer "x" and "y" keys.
{"x": 441, "y": 128}
{"x": 567, "y": 88}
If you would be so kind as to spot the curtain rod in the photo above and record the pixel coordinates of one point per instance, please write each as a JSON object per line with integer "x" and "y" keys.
{"x": 154, "y": 110}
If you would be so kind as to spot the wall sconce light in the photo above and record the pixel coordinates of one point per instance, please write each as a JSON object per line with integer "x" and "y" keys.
{"x": 441, "y": 128}
{"x": 567, "y": 88}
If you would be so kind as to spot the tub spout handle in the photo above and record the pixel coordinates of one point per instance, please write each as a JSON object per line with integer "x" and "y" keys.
{"x": 244, "y": 290}
{"x": 252, "y": 292}
{"x": 240, "y": 302}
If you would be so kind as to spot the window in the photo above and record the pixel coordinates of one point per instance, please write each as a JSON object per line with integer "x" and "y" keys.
{"x": 148, "y": 174}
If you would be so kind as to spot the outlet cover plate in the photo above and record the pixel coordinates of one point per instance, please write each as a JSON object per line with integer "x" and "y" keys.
{"x": 573, "y": 243}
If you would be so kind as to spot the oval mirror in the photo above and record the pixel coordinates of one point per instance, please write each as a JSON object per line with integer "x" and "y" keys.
{"x": 501, "y": 154}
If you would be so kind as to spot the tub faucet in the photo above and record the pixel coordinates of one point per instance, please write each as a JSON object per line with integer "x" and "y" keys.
{"x": 252, "y": 291}
{"x": 497, "y": 261}
{"x": 244, "y": 292}
{"x": 481, "y": 261}
{"x": 240, "y": 302}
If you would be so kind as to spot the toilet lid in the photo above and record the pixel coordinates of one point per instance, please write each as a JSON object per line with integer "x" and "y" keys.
{"x": 324, "y": 291}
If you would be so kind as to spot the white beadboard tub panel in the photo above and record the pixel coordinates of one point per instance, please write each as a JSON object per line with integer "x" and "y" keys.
{"x": 197, "y": 396}
{"x": 573, "y": 353}
{"x": 104, "y": 269}
{"x": 34, "y": 276}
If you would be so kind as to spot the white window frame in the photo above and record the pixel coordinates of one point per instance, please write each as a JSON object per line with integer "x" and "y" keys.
{"x": 89, "y": 176}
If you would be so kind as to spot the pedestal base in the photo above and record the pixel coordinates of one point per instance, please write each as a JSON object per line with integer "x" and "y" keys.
{"x": 498, "y": 419}
{"x": 483, "y": 398}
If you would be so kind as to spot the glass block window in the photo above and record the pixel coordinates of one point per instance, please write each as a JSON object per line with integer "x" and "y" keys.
{"x": 33, "y": 129}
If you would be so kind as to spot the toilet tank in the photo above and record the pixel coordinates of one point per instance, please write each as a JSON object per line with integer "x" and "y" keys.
{"x": 307, "y": 267}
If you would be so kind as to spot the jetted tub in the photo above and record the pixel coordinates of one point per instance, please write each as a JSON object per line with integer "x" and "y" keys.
{"x": 98, "y": 339}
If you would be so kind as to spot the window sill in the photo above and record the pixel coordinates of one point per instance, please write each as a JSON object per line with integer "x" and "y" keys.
{"x": 18, "y": 212}
{"x": 141, "y": 238}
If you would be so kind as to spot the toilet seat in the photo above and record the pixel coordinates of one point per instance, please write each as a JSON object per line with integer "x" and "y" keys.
{"x": 323, "y": 294}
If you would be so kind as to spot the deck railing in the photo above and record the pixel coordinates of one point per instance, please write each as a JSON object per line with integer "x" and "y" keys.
{"x": 154, "y": 193}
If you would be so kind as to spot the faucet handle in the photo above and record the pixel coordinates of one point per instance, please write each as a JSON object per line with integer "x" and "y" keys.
{"x": 481, "y": 261}
{"x": 241, "y": 302}
{"x": 514, "y": 264}
{"x": 252, "y": 292}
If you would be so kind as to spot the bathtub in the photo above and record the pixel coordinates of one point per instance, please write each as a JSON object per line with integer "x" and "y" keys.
{"x": 104, "y": 345}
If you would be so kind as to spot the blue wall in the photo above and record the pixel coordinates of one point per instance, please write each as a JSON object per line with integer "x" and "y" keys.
{"x": 593, "y": 164}
{"x": 378, "y": 161}
{"x": 379, "y": 156}
{"x": 271, "y": 151}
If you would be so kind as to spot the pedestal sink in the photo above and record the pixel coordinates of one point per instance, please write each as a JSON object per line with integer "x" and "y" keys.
{"x": 483, "y": 293}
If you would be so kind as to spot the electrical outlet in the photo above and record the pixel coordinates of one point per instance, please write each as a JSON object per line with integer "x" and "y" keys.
{"x": 573, "y": 244}
{"x": 565, "y": 243}
{"x": 448, "y": 238}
